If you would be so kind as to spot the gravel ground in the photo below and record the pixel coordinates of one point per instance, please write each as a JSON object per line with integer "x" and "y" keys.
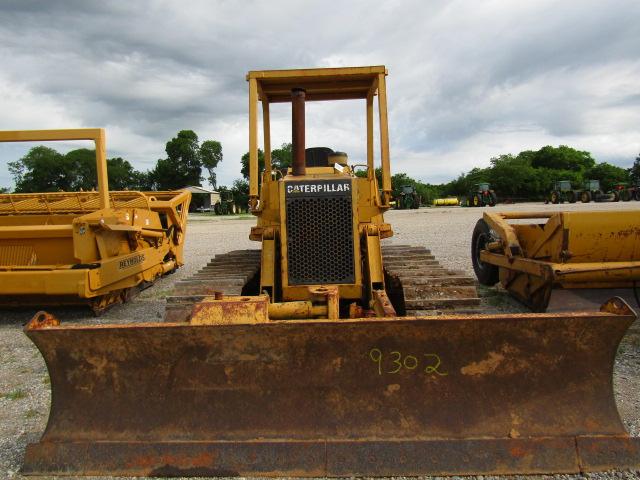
{"x": 24, "y": 383}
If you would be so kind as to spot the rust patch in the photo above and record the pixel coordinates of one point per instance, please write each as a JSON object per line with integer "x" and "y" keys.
{"x": 484, "y": 367}
{"x": 42, "y": 319}
{"x": 518, "y": 451}
{"x": 494, "y": 360}
{"x": 391, "y": 389}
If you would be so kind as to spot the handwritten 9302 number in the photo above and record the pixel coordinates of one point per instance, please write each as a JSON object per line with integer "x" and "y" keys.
{"x": 395, "y": 361}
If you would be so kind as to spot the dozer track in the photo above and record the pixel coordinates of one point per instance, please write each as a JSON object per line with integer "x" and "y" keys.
{"x": 418, "y": 285}
{"x": 228, "y": 273}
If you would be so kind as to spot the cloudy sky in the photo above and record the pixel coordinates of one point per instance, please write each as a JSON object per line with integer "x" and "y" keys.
{"x": 468, "y": 80}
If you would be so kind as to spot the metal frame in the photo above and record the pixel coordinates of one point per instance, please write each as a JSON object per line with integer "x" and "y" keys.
{"x": 273, "y": 86}
{"x": 97, "y": 135}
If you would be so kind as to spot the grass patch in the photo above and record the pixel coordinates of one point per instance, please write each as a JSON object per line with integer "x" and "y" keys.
{"x": 498, "y": 300}
{"x": 16, "y": 394}
{"x": 46, "y": 380}
{"x": 493, "y": 297}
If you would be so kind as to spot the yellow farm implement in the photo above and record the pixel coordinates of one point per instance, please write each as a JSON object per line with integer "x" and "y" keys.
{"x": 86, "y": 247}
{"x": 327, "y": 353}
{"x": 446, "y": 202}
{"x": 559, "y": 250}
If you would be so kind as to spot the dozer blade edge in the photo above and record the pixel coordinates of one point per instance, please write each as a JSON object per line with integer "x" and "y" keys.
{"x": 483, "y": 394}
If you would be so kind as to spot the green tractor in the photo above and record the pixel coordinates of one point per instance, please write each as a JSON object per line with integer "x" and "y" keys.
{"x": 408, "y": 198}
{"x": 592, "y": 191}
{"x": 481, "y": 195}
{"x": 562, "y": 191}
{"x": 226, "y": 204}
{"x": 624, "y": 192}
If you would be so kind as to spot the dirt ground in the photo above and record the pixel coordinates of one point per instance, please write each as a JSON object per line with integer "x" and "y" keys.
{"x": 24, "y": 382}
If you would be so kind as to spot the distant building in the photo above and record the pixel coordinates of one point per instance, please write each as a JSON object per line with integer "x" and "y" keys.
{"x": 204, "y": 199}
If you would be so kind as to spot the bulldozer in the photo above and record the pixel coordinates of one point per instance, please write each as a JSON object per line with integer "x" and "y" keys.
{"x": 330, "y": 350}
{"x": 93, "y": 248}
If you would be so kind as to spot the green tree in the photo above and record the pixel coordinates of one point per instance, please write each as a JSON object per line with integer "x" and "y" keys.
{"x": 465, "y": 182}
{"x": 561, "y": 158}
{"x": 182, "y": 166}
{"x": 211, "y": 156}
{"x": 122, "y": 175}
{"x": 4, "y": 190}
{"x": 634, "y": 171}
{"x": 608, "y": 175}
{"x": 281, "y": 158}
{"x": 513, "y": 176}
{"x": 42, "y": 169}
{"x": 245, "y": 164}
{"x": 82, "y": 161}
{"x": 240, "y": 193}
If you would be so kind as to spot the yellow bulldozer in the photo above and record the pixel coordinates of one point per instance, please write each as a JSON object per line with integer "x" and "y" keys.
{"x": 92, "y": 248}
{"x": 325, "y": 352}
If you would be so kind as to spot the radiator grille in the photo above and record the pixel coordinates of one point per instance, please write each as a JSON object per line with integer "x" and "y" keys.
{"x": 320, "y": 240}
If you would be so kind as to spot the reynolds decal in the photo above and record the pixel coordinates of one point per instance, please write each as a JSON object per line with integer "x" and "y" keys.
{"x": 130, "y": 262}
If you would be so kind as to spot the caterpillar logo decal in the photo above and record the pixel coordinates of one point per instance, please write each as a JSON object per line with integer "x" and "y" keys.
{"x": 131, "y": 261}
{"x": 320, "y": 188}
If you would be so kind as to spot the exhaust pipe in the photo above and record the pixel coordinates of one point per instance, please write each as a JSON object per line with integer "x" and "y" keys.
{"x": 297, "y": 131}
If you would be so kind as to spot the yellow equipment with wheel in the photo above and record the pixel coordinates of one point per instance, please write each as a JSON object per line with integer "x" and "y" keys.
{"x": 92, "y": 248}
{"x": 330, "y": 350}
{"x": 596, "y": 252}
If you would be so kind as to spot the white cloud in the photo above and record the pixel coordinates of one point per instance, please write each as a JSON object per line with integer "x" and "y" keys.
{"x": 468, "y": 80}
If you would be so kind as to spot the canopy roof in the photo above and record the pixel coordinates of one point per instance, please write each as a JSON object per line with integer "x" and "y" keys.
{"x": 320, "y": 83}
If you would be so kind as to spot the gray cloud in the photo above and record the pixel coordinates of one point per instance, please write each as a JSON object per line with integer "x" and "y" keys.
{"x": 468, "y": 80}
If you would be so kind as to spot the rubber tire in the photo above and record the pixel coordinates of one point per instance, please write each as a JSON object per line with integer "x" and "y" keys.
{"x": 585, "y": 197}
{"x": 637, "y": 194}
{"x": 487, "y": 274}
{"x": 555, "y": 197}
{"x": 625, "y": 196}
{"x": 616, "y": 196}
{"x": 571, "y": 196}
{"x": 477, "y": 200}
{"x": 493, "y": 199}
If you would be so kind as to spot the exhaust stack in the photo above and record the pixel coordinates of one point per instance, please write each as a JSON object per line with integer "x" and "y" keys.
{"x": 297, "y": 133}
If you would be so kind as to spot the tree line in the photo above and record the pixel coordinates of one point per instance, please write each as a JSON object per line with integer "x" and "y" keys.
{"x": 527, "y": 175}
{"x": 531, "y": 174}
{"x": 44, "y": 169}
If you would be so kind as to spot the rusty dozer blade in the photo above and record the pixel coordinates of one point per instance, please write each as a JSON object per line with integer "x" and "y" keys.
{"x": 483, "y": 394}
